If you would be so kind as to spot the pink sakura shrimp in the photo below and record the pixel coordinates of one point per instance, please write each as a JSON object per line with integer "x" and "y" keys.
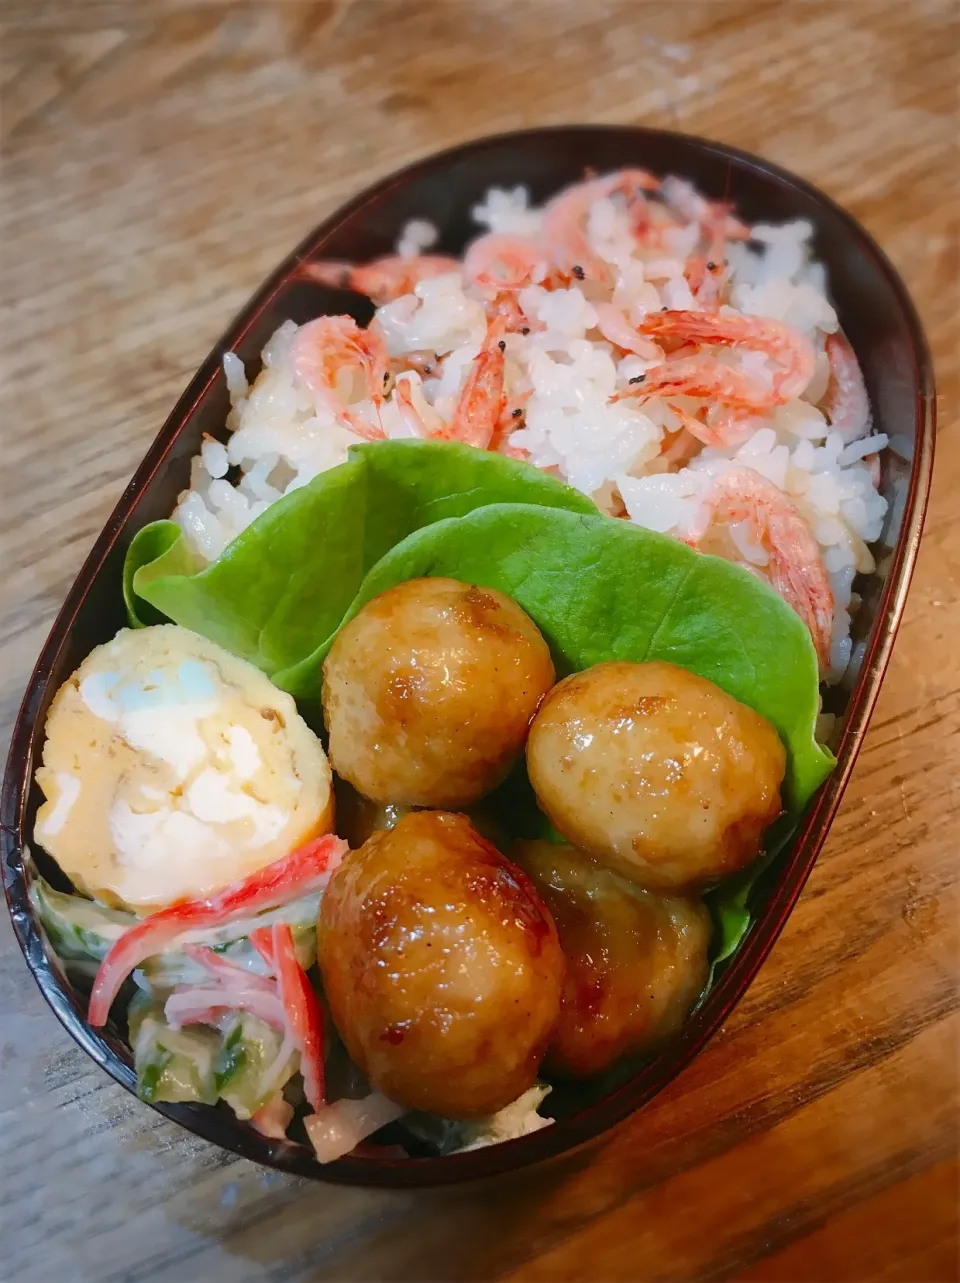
{"x": 795, "y": 566}
{"x": 718, "y": 227}
{"x": 323, "y": 349}
{"x": 565, "y": 218}
{"x": 511, "y": 418}
{"x": 704, "y": 276}
{"x": 499, "y": 262}
{"x": 385, "y": 279}
{"x": 680, "y": 447}
{"x": 737, "y": 404}
{"x": 616, "y": 329}
{"x": 786, "y": 346}
{"x": 478, "y": 412}
{"x": 705, "y": 270}
{"x": 507, "y": 307}
{"x": 425, "y": 363}
{"x": 845, "y": 402}
{"x": 513, "y": 451}
{"x": 481, "y": 401}
{"x": 418, "y": 415}
{"x": 482, "y": 417}
{"x": 704, "y": 378}
{"x": 501, "y": 266}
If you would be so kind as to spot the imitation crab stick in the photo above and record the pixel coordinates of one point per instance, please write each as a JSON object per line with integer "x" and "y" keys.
{"x": 302, "y": 872}
{"x": 205, "y": 1005}
{"x": 300, "y": 1005}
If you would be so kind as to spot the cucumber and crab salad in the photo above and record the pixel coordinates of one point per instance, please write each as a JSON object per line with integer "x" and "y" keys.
{"x": 172, "y": 1064}
{"x": 80, "y": 930}
{"x": 243, "y": 1063}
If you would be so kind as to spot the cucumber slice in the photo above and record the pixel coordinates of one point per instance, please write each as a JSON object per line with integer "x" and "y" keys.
{"x": 248, "y": 1050}
{"x": 77, "y": 928}
{"x": 171, "y": 1064}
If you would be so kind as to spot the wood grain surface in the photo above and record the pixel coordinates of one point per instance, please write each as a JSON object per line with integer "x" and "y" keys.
{"x": 158, "y": 159}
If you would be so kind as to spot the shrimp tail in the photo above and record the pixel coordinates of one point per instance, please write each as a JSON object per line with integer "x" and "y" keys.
{"x": 326, "y": 346}
{"x": 420, "y": 418}
{"x": 335, "y": 274}
{"x": 481, "y": 401}
{"x": 845, "y": 402}
{"x": 383, "y": 280}
{"x": 616, "y": 329}
{"x": 363, "y": 427}
{"x": 796, "y": 567}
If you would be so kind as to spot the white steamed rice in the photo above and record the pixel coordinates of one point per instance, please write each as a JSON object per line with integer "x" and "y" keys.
{"x": 279, "y": 437}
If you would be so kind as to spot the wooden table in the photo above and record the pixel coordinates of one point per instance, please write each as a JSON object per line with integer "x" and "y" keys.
{"x": 160, "y": 158}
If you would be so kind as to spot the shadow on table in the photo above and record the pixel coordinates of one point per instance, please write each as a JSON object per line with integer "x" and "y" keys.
{"x": 273, "y": 1225}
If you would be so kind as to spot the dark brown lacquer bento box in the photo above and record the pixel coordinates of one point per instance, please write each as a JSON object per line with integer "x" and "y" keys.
{"x": 879, "y": 320}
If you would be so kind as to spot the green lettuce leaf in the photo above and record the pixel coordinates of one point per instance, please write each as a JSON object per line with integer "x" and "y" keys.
{"x": 731, "y": 902}
{"x": 161, "y": 550}
{"x": 601, "y": 589}
{"x": 279, "y": 591}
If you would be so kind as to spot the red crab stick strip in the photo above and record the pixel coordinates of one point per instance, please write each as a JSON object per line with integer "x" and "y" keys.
{"x": 233, "y": 988}
{"x": 301, "y": 1005}
{"x": 262, "y": 941}
{"x": 302, "y": 872}
{"x": 204, "y": 1006}
{"x": 228, "y": 972}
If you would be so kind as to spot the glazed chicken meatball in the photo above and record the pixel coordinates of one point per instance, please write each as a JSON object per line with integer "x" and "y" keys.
{"x": 636, "y": 960}
{"x": 441, "y": 967}
{"x": 429, "y": 691}
{"x": 656, "y": 772}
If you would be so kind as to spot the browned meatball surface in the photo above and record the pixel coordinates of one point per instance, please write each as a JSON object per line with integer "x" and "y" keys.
{"x": 636, "y": 960}
{"x": 358, "y": 818}
{"x": 441, "y": 966}
{"x": 429, "y": 692}
{"x": 656, "y": 772}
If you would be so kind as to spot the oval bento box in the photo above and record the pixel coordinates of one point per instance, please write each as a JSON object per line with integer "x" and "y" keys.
{"x": 882, "y": 325}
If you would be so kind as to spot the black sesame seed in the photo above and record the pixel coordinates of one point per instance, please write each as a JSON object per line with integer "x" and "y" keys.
{"x": 517, "y": 412}
{"x": 502, "y": 346}
{"x": 578, "y": 271}
{"x": 711, "y": 267}
{"x": 638, "y": 378}
{"x": 664, "y": 309}
{"x": 525, "y": 330}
